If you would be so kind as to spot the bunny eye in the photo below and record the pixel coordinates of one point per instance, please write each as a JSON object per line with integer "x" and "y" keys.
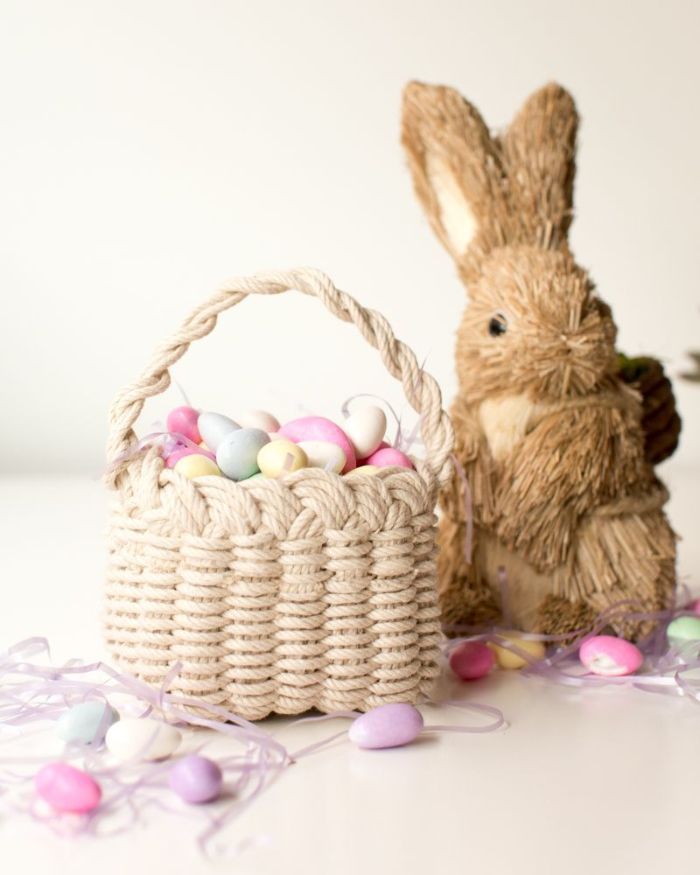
{"x": 498, "y": 325}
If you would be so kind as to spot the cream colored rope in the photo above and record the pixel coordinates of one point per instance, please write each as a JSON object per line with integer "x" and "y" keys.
{"x": 420, "y": 388}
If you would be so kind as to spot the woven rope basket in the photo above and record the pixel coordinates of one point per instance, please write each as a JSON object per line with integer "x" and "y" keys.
{"x": 315, "y": 591}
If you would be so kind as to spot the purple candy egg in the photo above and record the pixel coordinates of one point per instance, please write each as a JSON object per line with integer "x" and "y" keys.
{"x": 610, "y": 656}
{"x": 196, "y": 779}
{"x": 472, "y": 660}
{"x": 390, "y": 725}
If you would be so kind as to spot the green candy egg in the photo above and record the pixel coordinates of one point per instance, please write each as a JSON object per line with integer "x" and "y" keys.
{"x": 683, "y": 629}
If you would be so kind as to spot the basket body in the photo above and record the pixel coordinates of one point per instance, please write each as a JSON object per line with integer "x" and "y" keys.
{"x": 316, "y": 592}
{"x": 277, "y": 596}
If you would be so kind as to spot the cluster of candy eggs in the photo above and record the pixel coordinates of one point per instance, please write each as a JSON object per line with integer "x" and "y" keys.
{"x": 196, "y": 779}
{"x": 256, "y": 445}
{"x": 603, "y": 655}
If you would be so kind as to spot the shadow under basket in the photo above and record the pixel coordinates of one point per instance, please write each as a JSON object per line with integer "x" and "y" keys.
{"x": 277, "y": 596}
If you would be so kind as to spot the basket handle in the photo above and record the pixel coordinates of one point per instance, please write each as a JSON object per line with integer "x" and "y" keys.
{"x": 421, "y": 390}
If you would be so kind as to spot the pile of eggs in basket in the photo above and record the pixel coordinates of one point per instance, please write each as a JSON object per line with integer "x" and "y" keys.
{"x": 256, "y": 446}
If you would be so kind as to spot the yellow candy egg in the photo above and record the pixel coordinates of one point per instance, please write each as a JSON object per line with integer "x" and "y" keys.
{"x": 195, "y": 465}
{"x": 363, "y": 469}
{"x": 281, "y": 457}
{"x": 510, "y": 660}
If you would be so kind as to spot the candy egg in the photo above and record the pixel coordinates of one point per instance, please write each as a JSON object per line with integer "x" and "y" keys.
{"x": 365, "y": 427}
{"x": 683, "y": 629}
{"x": 196, "y": 779}
{"x": 610, "y": 656}
{"x": 214, "y": 427}
{"x": 66, "y": 788}
{"x": 324, "y": 454}
{"x": 142, "y": 738}
{"x": 317, "y": 428}
{"x": 180, "y": 452}
{"x": 363, "y": 469}
{"x": 390, "y": 725}
{"x": 196, "y": 465}
{"x": 86, "y": 722}
{"x": 183, "y": 420}
{"x": 281, "y": 457}
{"x": 508, "y": 659}
{"x": 472, "y": 660}
{"x": 259, "y": 419}
{"x": 389, "y": 457}
{"x": 383, "y": 445}
{"x": 694, "y": 606}
{"x": 237, "y": 455}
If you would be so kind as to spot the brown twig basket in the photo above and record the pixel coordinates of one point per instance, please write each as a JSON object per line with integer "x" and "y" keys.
{"x": 315, "y": 591}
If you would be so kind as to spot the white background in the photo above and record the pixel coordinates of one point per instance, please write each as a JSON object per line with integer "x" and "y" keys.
{"x": 149, "y": 150}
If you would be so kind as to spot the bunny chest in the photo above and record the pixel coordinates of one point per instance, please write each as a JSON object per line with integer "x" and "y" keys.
{"x": 505, "y": 421}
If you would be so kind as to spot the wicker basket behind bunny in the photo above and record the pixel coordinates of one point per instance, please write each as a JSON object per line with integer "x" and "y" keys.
{"x": 314, "y": 591}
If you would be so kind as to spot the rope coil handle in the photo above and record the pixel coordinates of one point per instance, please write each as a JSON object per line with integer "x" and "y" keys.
{"x": 421, "y": 390}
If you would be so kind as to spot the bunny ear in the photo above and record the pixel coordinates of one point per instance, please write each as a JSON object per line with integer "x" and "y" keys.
{"x": 456, "y": 165}
{"x": 539, "y": 155}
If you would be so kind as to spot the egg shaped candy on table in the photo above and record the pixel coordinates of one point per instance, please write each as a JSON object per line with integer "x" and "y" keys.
{"x": 391, "y": 725}
{"x": 196, "y": 779}
{"x": 532, "y": 649}
{"x": 610, "y": 656}
{"x": 318, "y": 428}
{"x": 142, "y": 738}
{"x": 67, "y": 789}
{"x": 86, "y": 722}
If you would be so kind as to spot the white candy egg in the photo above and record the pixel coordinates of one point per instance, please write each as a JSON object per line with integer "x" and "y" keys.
{"x": 366, "y": 427}
{"x": 259, "y": 419}
{"x": 323, "y": 454}
{"x": 141, "y": 738}
{"x": 213, "y": 428}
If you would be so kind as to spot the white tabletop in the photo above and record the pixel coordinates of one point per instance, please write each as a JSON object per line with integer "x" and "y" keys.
{"x": 580, "y": 779}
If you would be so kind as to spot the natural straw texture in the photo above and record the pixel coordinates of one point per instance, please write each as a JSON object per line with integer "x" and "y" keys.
{"x": 314, "y": 591}
{"x": 557, "y": 449}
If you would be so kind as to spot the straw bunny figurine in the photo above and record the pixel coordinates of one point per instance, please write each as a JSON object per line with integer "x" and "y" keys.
{"x": 549, "y": 434}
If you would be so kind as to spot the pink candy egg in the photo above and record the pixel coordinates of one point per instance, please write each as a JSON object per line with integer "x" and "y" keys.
{"x": 472, "y": 660}
{"x": 389, "y": 457}
{"x": 183, "y": 420}
{"x": 610, "y": 656}
{"x": 66, "y": 788}
{"x": 382, "y": 446}
{"x": 180, "y": 452}
{"x": 391, "y": 725}
{"x": 694, "y": 606}
{"x": 317, "y": 428}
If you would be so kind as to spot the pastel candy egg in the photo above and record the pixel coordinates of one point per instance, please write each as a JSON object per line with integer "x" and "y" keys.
{"x": 196, "y": 465}
{"x": 365, "y": 427}
{"x": 196, "y": 779}
{"x": 389, "y": 457}
{"x": 213, "y": 427}
{"x": 383, "y": 445}
{"x": 183, "y": 420}
{"x": 86, "y": 722}
{"x": 683, "y": 629}
{"x": 318, "y": 428}
{"x": 66, "y": 788}
{"x": 610, "y": 656}
{"x": 324, "y": 454}
{"x": 694, "y": 606}
{"x": 508, "y": 659}
{"x": 390, "y": 725}
{"x": 363, "y": 469}
{"x": 472, "y": 660}
{"x": 180, "y": 452}
{"x": 237, "y": 455}
{"x": 259, "y": 419}
{"x": 142, "y": 738}
{"x": 281, "y": 457}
